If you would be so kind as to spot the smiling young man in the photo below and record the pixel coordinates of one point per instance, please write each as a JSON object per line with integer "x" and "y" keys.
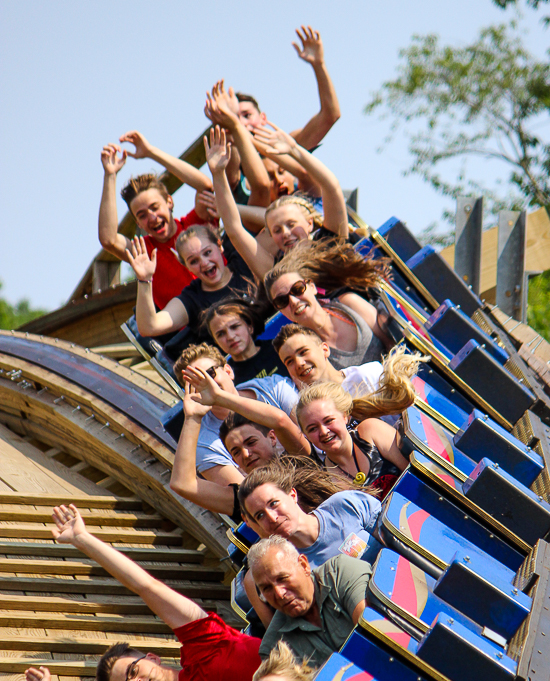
{"x": 316, "y": 608}
{"x": 213, "y": 461}
{"x": 306, "y": 358}
{"x": 151, "y": 205}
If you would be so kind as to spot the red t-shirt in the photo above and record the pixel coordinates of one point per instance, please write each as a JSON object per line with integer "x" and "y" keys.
{"x": 170, "y": 277}
{"x": 213, "y": 651}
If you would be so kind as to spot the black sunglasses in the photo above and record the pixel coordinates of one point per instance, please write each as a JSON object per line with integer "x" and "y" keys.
{"x": 212, "y": 371}
{"x": 297, "y": 289}
{"x": 132, "y": 669}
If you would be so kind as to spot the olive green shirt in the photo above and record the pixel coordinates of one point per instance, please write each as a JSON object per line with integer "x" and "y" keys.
{"x": 340, "y": 585}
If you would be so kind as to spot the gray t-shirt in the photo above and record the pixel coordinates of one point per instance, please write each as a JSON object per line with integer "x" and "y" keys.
{"x": 346, "y": 521}
{"x": 340, "y": 585}
{"x": 274, "y": 390}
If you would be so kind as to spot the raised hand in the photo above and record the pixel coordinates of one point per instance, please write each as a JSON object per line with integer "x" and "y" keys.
{"x": 139, "y": 259}
{"x": 206, "y": 390}
{"x": 192, "y": 407}
{"x": 222, "y": 107}
{"x": 40, "y": 674}
{"x": 143, "y": 148}
{"x": 109, "y": 159}
{"x": 312, "y": 46}
{"x": 69, "y": 524}
{"x": 207, "y": 201}
{"x": 275, "y": 141}
{"x": 218, "y": 151}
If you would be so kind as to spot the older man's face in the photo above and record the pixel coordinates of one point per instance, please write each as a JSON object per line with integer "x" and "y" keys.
{"x": 285, "y": 582}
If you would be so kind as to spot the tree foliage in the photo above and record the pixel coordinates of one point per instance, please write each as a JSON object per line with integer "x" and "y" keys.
{"x": 538, "y": 310}
{"x": 13, "y": 316}
{"x": 487, "y": 100}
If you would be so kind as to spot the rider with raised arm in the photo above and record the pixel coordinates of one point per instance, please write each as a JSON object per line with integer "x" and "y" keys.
{"x": 151, "y": 205}
{"x": 211, "y": 650}
{"x": 289, "y": 219}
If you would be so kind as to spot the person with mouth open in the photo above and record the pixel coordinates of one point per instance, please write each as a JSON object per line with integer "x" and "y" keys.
{"x": 201, "y": 251}
{"x": 290, "y": 219}
{"x": 151, "y": 206}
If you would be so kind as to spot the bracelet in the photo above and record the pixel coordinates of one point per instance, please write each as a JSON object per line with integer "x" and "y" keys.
{"x": 145, "y": 281}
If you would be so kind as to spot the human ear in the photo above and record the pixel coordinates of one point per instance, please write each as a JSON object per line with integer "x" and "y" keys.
{"x": 170, "y": 202}
{"x": 229, "y": 371}
{"x": 154, "y": 658}
{"x": 326, "y": 350}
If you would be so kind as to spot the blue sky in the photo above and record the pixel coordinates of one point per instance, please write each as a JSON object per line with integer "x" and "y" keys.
{"x": 77, "y": 75}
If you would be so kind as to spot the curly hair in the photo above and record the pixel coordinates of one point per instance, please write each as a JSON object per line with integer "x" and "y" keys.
{"x": 394, "y": 395}
{"x": 281, "y": 662}
{"x": 330, "y": 265}
{"x": 141, "y": 183}
{"x": 194, "y": 352}
{"x": 312, "y": 483}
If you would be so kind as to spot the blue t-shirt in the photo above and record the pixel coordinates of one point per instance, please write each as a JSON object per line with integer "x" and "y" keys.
{"x": 274, "y": 390}
{"x": 346, "y": 521}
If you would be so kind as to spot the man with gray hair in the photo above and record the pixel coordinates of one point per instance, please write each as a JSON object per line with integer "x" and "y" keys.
{"x": 316, "y": 608}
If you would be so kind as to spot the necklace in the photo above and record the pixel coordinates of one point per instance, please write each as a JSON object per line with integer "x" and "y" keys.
{"x": 359, "y": 478}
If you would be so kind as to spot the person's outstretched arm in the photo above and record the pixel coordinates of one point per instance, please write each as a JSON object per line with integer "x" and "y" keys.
{"x": 110, "y": 239}
{"x": 173, "y": 608}
{"x": 184, "y": 480}
{"x": 286, "y": 431}
{"x": 334, "y": 205}
{"x": 184, "y": 171}
{"x": 311, "y": 51}
{"x": 150, "y": 322}
{"x": 222, "y": 109}
{"x": 218, "y": 152}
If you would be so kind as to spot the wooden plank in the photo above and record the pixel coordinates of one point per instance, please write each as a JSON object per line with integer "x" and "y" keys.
{"x": 52, "y": 550}
{"x": 537, "y": 249}
{"x": 116, "y": 350}
{"x": 26, "y": 469}
{"x": 80, "y": 644}
{"x": 119, "y": 520}
{"x": 100, "y": 502}
{"x": 52, "y": 620}
{"x": 123, "y": 605}
{"x": 85, "y": 668}
{"x": 106, "y": 586}
{"x": 131, "y": 536}
{"x": 69, "y": 567}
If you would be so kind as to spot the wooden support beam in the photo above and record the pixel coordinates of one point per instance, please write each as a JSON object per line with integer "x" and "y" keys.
{"x": 52, "y": 620}
{"x": 69, "y": 567}
{"x": 119, "y": 520}
{"x": 47, "y": 550}
{"x": 84, "y": 501}
{"x": 29, "y": 531}
{"x": 86, "y": 646}
{"x": 104, "y": 586}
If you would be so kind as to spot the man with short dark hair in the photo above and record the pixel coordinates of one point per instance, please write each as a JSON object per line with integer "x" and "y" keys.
{"x": 211, "y": 650}
{"x": 307, "y": 359}
{"x": 316, "y": 609}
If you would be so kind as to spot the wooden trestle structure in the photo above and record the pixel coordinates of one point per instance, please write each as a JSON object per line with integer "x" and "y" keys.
{"x": 79, "y": 428}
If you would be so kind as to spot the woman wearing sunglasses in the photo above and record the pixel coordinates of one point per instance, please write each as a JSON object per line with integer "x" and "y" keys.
{"x": 299, "y": 285}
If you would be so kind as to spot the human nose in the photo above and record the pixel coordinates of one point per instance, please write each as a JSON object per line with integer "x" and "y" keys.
{"x": 280, "y": 591}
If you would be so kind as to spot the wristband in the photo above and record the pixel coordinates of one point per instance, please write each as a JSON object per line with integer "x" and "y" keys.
{"x": 145, "y": 281}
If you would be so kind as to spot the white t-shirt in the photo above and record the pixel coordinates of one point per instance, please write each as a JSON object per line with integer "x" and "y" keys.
{"x": 363, "y": 379}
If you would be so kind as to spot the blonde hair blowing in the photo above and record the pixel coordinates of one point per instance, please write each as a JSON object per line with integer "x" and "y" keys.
{"x": 297, "y": 200}
{"x": 281, "y": 662}
{"x": 394, "y": 395}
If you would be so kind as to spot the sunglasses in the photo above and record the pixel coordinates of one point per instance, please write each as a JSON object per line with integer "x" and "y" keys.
{"x": 133, "y": 668}
{"x": 283, "y": 299}
{"x": 212, "y": 371}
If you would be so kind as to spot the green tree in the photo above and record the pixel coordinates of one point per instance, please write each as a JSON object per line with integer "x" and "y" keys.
{"x": 482, "y": 100}
{"x": 11, "y": 317}
{"x": 538, "y": 310}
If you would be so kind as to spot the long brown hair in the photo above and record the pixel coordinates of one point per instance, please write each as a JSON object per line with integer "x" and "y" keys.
{"x": 312, "y": 483}
{"x": 330, "y": 264}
